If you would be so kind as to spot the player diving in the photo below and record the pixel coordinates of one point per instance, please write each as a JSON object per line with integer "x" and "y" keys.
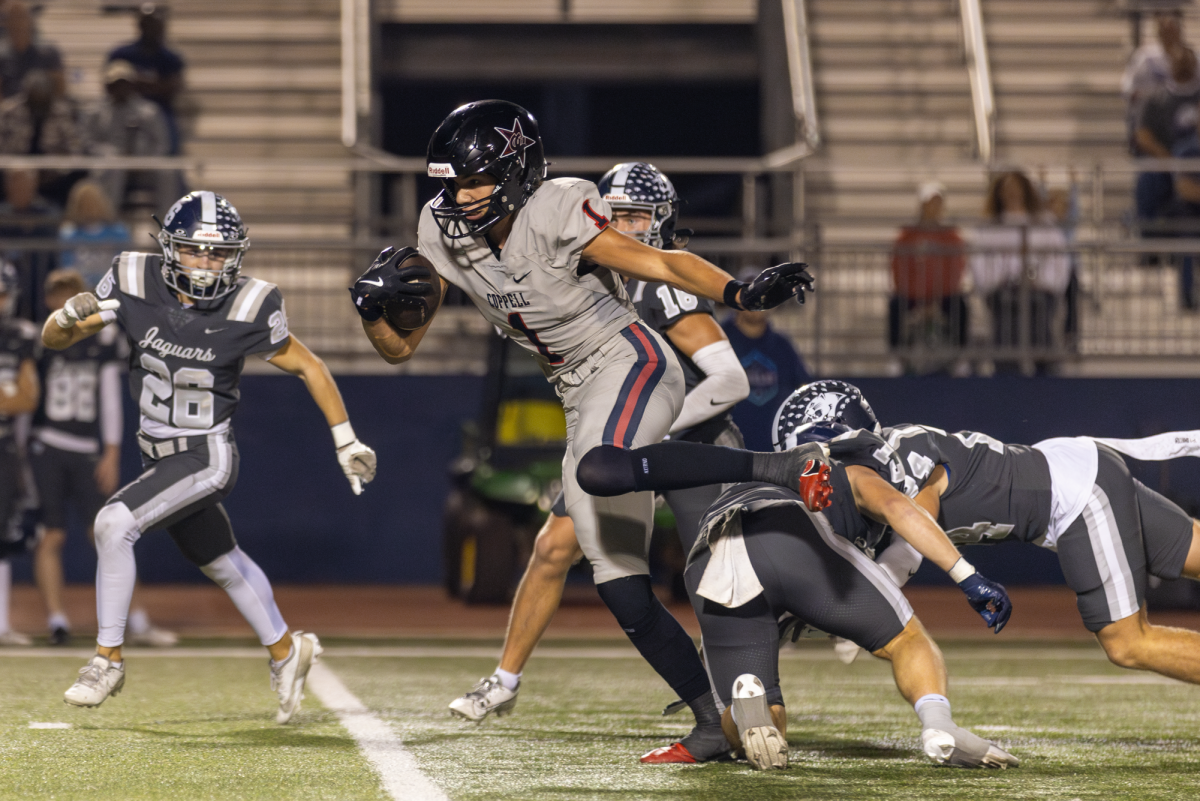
{"x": 540, "y": 259}
{"x": 644, "y": 206}
{"x": 192, "y": 318}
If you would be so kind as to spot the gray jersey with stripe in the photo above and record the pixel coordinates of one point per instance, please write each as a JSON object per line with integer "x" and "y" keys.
{"x": 994, "y": 492}
{"x": 536, "y": 290}
{"x": 186, "y": 362}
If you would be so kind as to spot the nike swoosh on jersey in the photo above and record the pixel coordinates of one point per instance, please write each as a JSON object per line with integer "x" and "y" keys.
{"x": 376, "y": 282}
{"x": 522, "y": 278}
{"x": 214, "y": 330}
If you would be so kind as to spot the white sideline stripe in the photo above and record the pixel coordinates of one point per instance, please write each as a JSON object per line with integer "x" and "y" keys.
{"x": 36, "y": 725}
{"x": 402, "y": 779}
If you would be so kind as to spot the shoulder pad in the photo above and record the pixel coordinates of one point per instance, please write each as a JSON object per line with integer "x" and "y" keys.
{"x": 246, "y": 302}
{"x": 130, "y": 271}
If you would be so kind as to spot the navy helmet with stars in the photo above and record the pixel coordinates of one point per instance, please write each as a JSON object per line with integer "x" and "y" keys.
{"x": 494, "y": 137}
{"x": 638, "y": 186}
{"x": 199, "y": 223}
{"x": 827, "y": 402}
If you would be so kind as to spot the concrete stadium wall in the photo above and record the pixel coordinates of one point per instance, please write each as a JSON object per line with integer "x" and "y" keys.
{"x": 293, "y": 511}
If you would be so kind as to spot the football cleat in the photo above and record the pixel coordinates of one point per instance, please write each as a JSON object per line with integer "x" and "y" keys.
{"x": 11, "y": 637}
{"x": 59, "y": 635}
{"x": 673, "y": 754}
{"x": 764, "y": 744}
{"x": 98, "y": 679}
{"x": 962, "y": 749}
{"x": 154, "y": 637}
{"x": 287, "y": 677}
{"x": 488, "y": 697}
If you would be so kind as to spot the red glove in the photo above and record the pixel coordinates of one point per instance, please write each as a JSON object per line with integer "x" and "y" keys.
{"x": 815, "y": 488}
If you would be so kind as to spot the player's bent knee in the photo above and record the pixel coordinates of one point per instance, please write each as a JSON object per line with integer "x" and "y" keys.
{"x": 113, "y": 523}
{"x": 1122, "y": 642}
{"x": 606, "y": 471}
{"x": 556, "y": 548}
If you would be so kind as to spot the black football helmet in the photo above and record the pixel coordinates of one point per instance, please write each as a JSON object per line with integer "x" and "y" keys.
{"x": 488, "y": 136}
{"x": 208, "y": 223}
{"x": 638, "y": 186}
{"x": 826, "y": 401}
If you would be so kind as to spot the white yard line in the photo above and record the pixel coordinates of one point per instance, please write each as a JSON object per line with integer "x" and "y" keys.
{"x": 402, "y": 778}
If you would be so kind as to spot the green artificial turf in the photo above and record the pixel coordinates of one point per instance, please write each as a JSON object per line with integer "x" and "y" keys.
{"x": 202, "y": 727}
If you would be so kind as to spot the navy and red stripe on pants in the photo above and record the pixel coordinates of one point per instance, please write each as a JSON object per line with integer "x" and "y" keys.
{"x": 637, "y": 388}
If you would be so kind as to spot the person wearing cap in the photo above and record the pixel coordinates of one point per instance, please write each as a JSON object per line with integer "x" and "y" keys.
{"x": 928, "y": 308}
{"x": 159, "y": 69}
{"x": 126, "y": 124}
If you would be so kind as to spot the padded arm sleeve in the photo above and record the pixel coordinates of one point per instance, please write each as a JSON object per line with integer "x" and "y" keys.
{"x": 724, "y": 384}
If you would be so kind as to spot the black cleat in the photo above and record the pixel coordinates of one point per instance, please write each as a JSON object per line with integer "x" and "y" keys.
{"x": 60, "y": 636}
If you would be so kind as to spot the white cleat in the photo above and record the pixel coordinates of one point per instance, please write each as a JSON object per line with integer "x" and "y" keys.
{"x": 489, "y": 697}
{"x": 845, "y": 650}
{"x": 287, "y": 678}
{"x": 15, "y": 638}
{"x": 765, "y": 746}
{"x": 154, "y": 637}
{"x": 963, "y": 749}
{"x": 98, "y": 679}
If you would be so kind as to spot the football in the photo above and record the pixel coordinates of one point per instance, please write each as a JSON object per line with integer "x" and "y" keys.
{"x": 410, "y": 312}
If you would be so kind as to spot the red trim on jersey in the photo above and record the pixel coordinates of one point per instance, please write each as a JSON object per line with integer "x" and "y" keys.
{"x": 631, "y": 401}
{"x": 599, "y": 219}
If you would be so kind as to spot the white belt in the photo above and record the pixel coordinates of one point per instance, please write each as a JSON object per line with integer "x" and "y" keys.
{"x": 164, "y": 448}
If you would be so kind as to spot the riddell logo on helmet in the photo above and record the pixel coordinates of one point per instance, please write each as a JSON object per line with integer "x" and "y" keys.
{"x": 440, "y": 171}
{"x": 613, "y": 197}
{"x": 208, "y": 236}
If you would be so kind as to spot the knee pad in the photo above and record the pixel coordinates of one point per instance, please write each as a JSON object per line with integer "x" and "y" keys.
{"x": 633, "y": 604}
{"x": 605, "y": 471}
{"x": 113, "y": 523}
{"x": 204, "y": 536}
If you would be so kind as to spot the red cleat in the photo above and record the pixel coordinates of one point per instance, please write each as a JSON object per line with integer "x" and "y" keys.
{"x": 815, "y": 488}
{"x": 674, "y": 753}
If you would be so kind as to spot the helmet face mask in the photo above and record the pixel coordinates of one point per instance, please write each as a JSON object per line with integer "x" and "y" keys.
{"x": 203, "y": 224}
{"x": 821, "y": 402}
{"x": 489, "y": 137}
{"x": 636, "y": 186}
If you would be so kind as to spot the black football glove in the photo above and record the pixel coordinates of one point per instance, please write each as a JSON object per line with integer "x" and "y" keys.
{"x": 771, "y": 287}
{"x": 988, "y": 598}
{"x": 386, "y": 279}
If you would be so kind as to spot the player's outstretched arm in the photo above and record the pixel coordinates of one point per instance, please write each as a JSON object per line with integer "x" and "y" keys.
{"x": 724, "y": 384}
{"x": 356, "y": 459}
{"x": 78, "y": 319}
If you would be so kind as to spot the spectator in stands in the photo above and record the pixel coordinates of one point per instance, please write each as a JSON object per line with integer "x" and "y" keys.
{"x": 34, "y": 122}
{"x": 22, "y": 53}
{"x": 1020, "y": 265}
{"x": 90, "y": 222}
{"x": 1168, "y": 116}
{"x": 1149, "y": 70}
{"x": 1062, "y": 208}
{"x": 928, "y": 307}
{"x": 774, "y": 369}
{"x": 126, "y": 124}
{"x": 25, "y": 214}
{"x": 159, "y": 69}
{"x": 1183, "y": 214}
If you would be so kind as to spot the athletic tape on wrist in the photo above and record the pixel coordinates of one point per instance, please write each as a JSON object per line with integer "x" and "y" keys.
{"x": 962, "y": 569}
{"x": 343, "y": 435}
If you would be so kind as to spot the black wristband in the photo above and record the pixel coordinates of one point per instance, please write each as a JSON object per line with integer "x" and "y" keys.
{"x": 731, "y": 291}
{"x": 370, "y": 313}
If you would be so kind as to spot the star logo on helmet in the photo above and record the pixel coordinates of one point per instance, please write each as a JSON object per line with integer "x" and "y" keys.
{"x": 516, "y": 141}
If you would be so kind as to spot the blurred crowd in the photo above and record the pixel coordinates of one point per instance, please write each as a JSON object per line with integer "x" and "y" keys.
{"x": 77, "y": 216}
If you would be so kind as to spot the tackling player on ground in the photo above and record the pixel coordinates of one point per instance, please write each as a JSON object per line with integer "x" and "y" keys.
{"x": 540, "y": 261}
{"x": 192, "y": 320}
{"x": 644, "y": 206}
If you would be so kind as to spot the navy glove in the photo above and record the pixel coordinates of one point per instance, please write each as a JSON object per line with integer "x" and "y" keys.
{"x": 771, "y": 287}
{"x": 386, "y": 279}
{"x": 988, "y": 598}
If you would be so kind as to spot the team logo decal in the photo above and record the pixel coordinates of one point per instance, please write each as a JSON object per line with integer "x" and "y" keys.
{"x": 516, "y": 141}
{"x": 825, "y": 406}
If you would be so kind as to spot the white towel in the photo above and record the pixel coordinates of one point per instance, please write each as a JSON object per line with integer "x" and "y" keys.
{"x": 1158, "y": 448}
{"x": 729, "y": 579}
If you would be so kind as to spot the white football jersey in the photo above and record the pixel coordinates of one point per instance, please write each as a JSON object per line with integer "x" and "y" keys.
{"x": 532, "y": 290}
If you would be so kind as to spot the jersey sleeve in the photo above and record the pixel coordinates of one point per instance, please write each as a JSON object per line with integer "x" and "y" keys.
{"x": 567, "y": 224}
{"x": 269, "y": 330}
{"x": 866, "y": 449}
{"x": 662, "y": 306}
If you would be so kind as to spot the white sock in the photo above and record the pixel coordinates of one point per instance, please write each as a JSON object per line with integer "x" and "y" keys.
{"x": 139, "y": 621}
{"x": 291, "y": 651}
{"x": 509, "y": 680}
{"x": 5, "y": 589}
{"x": 250, "y": 591}
{"x": 934, "y": 712}
{"x": 116, "y": 571}
{"x": 58, "y": 621}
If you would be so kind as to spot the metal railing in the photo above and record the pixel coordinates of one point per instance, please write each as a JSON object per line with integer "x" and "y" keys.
{"x": 979, "y": 72}
{"x": 800, "y": 70}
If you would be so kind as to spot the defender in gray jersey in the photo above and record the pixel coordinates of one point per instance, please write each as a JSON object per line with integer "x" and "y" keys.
{"x": 540, "y": 260}
{"x": 645, "y": 206}
{"x": 762, "y": 558}
{"x": 192, "y": 320}
{"x": 1074, "y": 496}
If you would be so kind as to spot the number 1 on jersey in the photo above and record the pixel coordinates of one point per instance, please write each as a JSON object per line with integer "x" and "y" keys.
{"x": 516, "y": 322}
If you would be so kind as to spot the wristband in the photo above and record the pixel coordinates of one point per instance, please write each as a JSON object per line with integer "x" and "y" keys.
{"x": 731, "y": 290}
{"x": 961, "y": 570}
{"x": 343, "y": 435}
{"x": 371, "y": 313}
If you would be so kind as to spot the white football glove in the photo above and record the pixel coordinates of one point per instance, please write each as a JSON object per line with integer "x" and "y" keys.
{"x": 357, "y": 460}
{"x": 81, "y": 307}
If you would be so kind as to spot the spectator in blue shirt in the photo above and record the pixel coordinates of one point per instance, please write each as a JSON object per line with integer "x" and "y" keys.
{"x": 159, "y": 69}
{"x": 1184, "y": 211}
{"x": 774, "y": 369}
